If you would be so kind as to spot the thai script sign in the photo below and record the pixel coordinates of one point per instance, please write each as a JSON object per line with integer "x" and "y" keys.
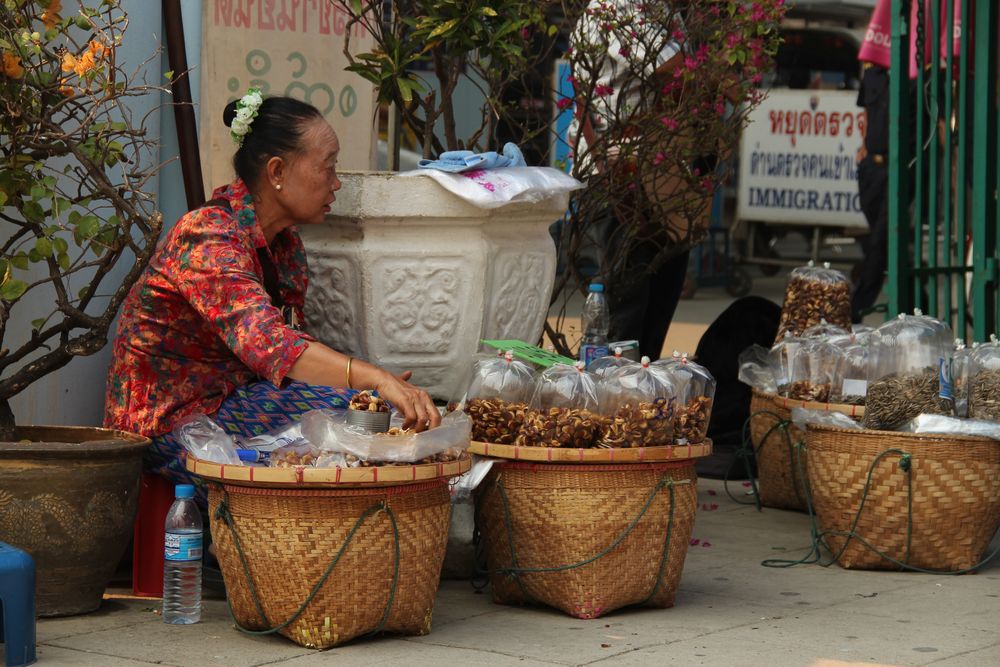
{"x": 283, "y": 47}
{"x": 797, "y": 159}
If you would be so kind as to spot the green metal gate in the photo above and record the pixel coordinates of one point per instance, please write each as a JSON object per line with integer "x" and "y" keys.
{"x": 943, "y": 176}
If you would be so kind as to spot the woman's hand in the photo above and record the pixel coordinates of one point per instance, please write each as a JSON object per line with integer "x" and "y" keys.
{"x": 416, "y": 406}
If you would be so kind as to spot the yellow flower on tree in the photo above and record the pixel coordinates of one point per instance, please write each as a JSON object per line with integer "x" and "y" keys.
{"x": 50, "y": 17}
{"x": 10, "y": 65}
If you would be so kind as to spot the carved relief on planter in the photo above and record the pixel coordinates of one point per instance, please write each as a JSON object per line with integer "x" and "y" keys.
{"x": 330, "y": 308}
{"x": 418, "y": 307}
{"x": 519, "y": 290}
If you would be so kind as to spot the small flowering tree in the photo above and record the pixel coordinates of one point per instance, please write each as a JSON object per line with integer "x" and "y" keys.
{"x": 652, "y": 139}
{"x": 75, "y": 170}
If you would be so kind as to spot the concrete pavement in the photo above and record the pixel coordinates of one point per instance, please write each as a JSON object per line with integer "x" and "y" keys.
{"x": 730, "y": 611}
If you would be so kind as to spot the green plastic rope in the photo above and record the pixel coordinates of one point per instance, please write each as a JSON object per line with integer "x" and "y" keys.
{"x": 514, "y": 571}
{"x": 223, "y": 514}
{"x": 746, "y": 452}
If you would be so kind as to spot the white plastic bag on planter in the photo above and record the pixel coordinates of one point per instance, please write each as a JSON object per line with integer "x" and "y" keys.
{"x": 492, "y": 188}
{"x": 330, "y": 432}
{"x": 204, "y": 438}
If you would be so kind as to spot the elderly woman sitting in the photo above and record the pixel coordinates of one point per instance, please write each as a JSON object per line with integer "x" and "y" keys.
{"x": 212, "y": 325}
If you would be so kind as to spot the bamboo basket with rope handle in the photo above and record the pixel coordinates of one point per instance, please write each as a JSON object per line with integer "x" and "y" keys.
{"x": 889, "y": 500}
{"x": 775, "y": 444}
{"x": 326, "y": 561}
{"x": 586, "y": 538}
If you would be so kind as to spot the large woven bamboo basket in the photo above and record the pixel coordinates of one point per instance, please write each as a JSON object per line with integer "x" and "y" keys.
{"x": 381, "y": 547}
{"x": 774, "y": 438}
{"x": 586, "y": 539}
{"x": 940, "y": 514}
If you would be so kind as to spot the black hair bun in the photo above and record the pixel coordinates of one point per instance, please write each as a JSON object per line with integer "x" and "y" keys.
{"x": 229, "y": 114}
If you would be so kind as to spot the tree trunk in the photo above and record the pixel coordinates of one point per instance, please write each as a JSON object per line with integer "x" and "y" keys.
{"x": 6, "y": 421}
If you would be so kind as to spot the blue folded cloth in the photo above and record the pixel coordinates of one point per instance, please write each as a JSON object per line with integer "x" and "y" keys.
{"x": 458, "y": 161}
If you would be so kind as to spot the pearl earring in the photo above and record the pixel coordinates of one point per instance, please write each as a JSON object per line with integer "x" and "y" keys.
{"x": 277, "y": 186}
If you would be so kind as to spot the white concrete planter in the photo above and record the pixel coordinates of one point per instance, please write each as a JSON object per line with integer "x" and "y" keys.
{"x": 409, "y": 276}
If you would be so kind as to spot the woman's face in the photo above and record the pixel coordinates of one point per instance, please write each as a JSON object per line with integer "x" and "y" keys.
{"x": 311, "y": 179}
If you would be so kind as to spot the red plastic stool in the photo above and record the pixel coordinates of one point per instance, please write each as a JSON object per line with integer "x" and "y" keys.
{"x": 156, "y": 494}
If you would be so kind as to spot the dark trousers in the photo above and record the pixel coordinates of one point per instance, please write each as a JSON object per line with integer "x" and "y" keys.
{"x": 642, "y": 308}
{"x": 873, "y": 183}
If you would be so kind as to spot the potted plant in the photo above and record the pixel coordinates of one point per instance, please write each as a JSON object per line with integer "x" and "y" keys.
{"x": 404, "y": 272}
{"x": 79, "y": 227}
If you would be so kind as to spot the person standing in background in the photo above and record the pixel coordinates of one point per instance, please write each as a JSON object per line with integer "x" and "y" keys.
{"x": 644, "y": 284}
{"x": 872, "y": 158}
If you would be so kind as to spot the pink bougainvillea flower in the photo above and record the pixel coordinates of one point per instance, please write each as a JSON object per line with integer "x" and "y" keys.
{"x": 564, "y": 103}
{"x": 603, "y": 91}
{"x": 706, "y": 543}
{"x": 669, "y": 123}
{"x": 712, "y": 492}
{"x": 695, "y": 541}
{"x": 659, "y": 158}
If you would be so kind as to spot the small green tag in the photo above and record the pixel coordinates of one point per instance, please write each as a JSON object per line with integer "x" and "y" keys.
{"x": 530, "y": 353}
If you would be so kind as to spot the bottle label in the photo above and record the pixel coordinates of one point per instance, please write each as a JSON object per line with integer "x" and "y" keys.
{"x": 589, "y": 353}
{"x": 854, "y": 387}
{"x": 944, "y": 380}
{"x": 182, "y": 546}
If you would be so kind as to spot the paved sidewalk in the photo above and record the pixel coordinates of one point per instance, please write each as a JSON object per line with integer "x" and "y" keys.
{"x": 730, "y": 611}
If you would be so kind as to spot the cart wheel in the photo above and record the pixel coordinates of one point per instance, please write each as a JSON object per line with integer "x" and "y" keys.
{"x": 739, "y": 283}
{"x": 690, "y": 286}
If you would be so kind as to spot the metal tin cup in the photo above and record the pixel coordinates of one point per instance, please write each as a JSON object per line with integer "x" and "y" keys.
{"x": 372, "y": 422}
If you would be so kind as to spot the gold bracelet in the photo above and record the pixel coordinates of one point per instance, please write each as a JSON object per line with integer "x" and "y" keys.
{"x": 349, "y": 360}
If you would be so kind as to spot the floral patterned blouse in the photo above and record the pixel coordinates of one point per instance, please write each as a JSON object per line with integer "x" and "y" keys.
{"x": 200, "y": 323}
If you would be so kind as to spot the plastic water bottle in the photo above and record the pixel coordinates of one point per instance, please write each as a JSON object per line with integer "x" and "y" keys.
{"x": 595, "y": 323}
{"x": 182, "y": 559}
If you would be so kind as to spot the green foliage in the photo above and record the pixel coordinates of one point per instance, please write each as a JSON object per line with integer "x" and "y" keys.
{"x": 491, "y": 38}
{"x": 72, "y": 171}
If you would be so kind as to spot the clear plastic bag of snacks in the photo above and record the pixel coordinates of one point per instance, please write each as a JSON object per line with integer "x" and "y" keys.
{"x": 639, "y": 402}
{"x": 784, "y": 360}
{"x": 609, "y": 364}
{"x": 984, "y": 381}
{"x": 564, "y": 410}
{"x": 815, "y": 293}
{"x": 329, "y": 431}
{"x": 824, "y": 329}
{"x": 909, "y": 371}
{"x": 497, "y": 398}
{"x": 850, "y": 377}
{"x": 811, "y": 374}
{"x": 960, "y": 377}
{"x": 299, "y": 453}
{"x": 757, "y": 369}
{"x": 695, "y": 395}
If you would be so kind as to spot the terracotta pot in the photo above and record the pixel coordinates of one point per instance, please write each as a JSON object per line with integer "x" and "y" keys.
{"x": 68, "y": 497}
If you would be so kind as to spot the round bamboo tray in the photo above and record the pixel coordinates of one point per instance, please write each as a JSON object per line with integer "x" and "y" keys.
{"x": 593, "y": 455}
{"x": 932, "y": 502}
{"x": 779, "y": 482}
{"x": 586, "y": 539}
{"x": 310, "y": 477}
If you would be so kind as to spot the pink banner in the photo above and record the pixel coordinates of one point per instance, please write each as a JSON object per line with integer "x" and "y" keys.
{"x": 878, "y": 38}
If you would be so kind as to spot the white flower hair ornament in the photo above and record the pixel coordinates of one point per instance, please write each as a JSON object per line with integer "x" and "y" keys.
{"x": 246, "y": 111}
